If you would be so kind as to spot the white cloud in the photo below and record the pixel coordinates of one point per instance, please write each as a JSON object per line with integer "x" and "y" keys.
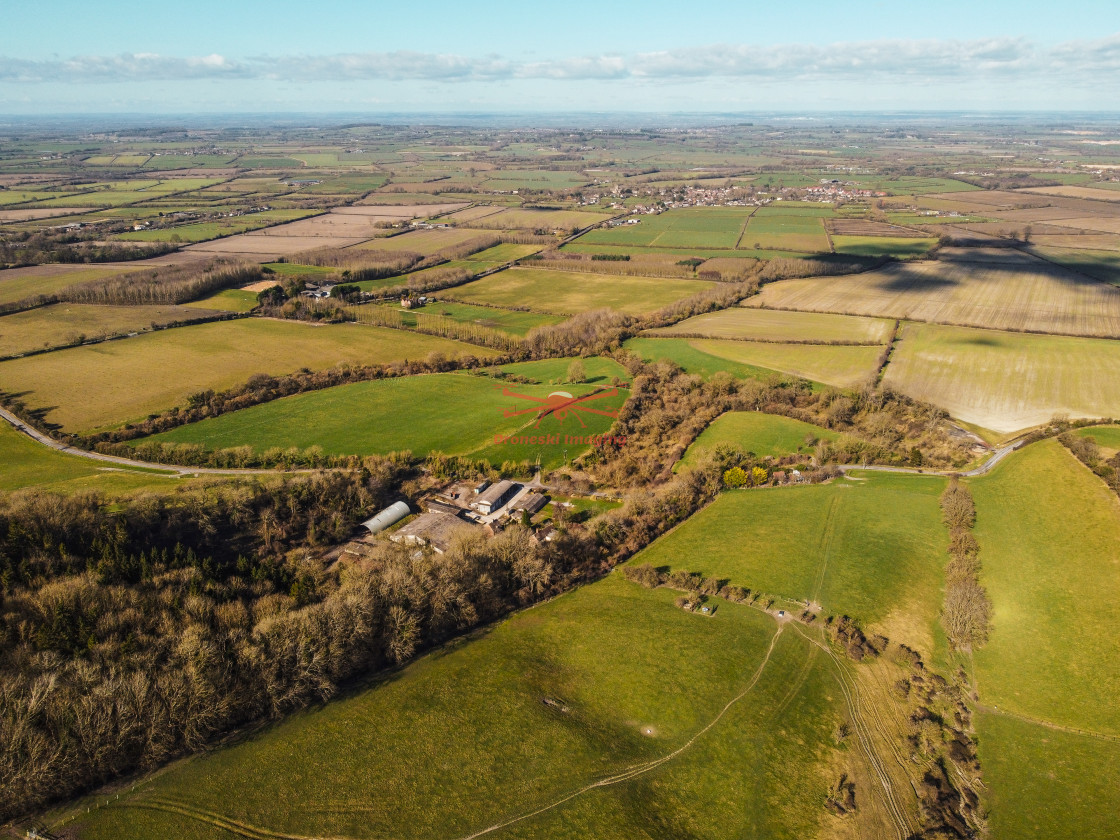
{"x": 928, "y": 60}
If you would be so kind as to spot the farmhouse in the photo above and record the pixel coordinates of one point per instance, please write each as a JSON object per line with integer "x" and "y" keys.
{"x": 434, "y": 528}
{"x": 531, "y": 503}
{"x": 495, "y": 496}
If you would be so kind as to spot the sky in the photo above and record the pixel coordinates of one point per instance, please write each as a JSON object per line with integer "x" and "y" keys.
{"x": 281, "y": 56}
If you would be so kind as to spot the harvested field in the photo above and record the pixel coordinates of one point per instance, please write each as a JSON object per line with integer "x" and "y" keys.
{"x": 1008, "y": 290}
{"x": 428, "y": 242}
{"x": 566, "y": 220}
{"x": 1006, "y": 381}
{"x": 37, "y": 213}
{"x": 68, "y": 323}
{"x": 985, "y": 199}
{"x": 396, "y": 212}
{"x": 863, "y": 227}
{"x": 1070, "y": 191}
{"x": 779, "y": 325}
{"x": 266, "y": 248}
{"x": 1101, "y": 224}
{"x": 469, "y": 214}
{"x": 1101, "y": 265}
{"x": 105, "y": 385}
{"x": 882, "y": 246}
{"x": 842, "y": 366}
{"x": 1098, "y": 241}
{"x": 568, "y": 292}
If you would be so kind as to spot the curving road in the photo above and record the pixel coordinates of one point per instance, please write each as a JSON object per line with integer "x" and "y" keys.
{"x": 51, "y": 443}
{"x": 996, "y": 456}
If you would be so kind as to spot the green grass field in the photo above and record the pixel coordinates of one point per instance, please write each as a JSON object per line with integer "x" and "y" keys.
{"x": 1006, "y": 381}
{"x": 19, "y": 283}
{"x": 450, "y": 412}
{"x": 699, "y": 227}
{"x": 762, "y": 434}
{"x": 873, "y": 549}
{"x": 881, "y": 246}
{"x": 787, "y": 229}
{"x": 683, "y": 352}
{"x": 461, "y": 740}
{"x": 227, "y": 300}
{"x": 1100, "y": 265}
{"x": 1107, "y": 437}
{"x": 1042, "y": 782}
{"x": 30, "y": 465}
{"x": 582, "y": 246}
{"x": 779, "y": 325}
{"x": 508, "y": 320}
{"x": 839, "y": 365}
{"x": 105, "y": 385}
{"x": 67, "y": 323}
{"x": 1049, "y": 532}
{"x": 567, "y": 292}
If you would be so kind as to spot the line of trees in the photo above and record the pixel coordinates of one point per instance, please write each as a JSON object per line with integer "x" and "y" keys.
{"x": 164, "y": 285}
{"x": 966, "y": 614}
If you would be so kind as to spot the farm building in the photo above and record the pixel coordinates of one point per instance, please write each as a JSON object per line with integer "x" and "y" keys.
{"x": 434, "y": 528}
{"x": 495, "y": 496}
{"x": 531, "y": 503}
{"x": 390, "y": 515}
{"x": 438, "y": 506}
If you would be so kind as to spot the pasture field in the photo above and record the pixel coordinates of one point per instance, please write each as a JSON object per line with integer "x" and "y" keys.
{"x": 105, "y": 385}
{"x": 506, "y": 252}
{"x": 461, "y": 739}
{"x": 1049, "y": 533}
{"x": 508, "y": 320}
{"x": 449, "y": 412}
{"x": 779, "y": 325}
{"x": 227, "y": 300}
{"x": 19, "y": 283}
{"x": 1073, "y": 191}
{"x": 683, "y": 352}
{"x": 1107, "y": 437}
{"x": 531, "y": 179}
{"x": 1005, "y": 292}
{"x": 28, "y": 464}
{"x": 568, "y": 292}
{"x": 69, "y": 323}
{"x": 582, "y": 246}
{"x": 762, "y": 434}
{"x": 1041, "y": 781}
{"x": 687, "y": 228}
{"x": 841, "y": 365}
{"x": 1006, "y": 381}
{"x": 881, "y": 246}
{"x": 873, "y": 549}
{"x": 787, "y": 229}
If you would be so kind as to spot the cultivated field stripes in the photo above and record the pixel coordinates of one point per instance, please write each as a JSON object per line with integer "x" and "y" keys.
{"x": 1028, "y": 297}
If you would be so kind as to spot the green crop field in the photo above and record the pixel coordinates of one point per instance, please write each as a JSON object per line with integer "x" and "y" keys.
{"x": 700, "y": 227}
{"x": 567, "y": 292}
{"x": 69, "y": 323}
{"x": 453, "y": 413}
{"x": 1006, "y": 381}
{"x": 792, "y": 229}
{"x": 881, "y": 246}
{"x": 840, "y": 365}
{"x": 105, "y": 385}
{"x": 778, "y": 325}
{"x": 873, "y": 549}
{"x": 508, "y": 320}
{"x": 583, "y": 246}
{"x": 1049, "y": 533}
{"x": 427, "y": 241}
{"x": 461, "y": 739}
{"x": 762, "y": 434}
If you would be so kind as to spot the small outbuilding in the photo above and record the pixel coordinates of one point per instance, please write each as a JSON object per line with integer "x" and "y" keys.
{"x": 389, "y": 516}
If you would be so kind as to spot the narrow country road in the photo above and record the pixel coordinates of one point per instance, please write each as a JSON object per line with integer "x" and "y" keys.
{"x": 996, "y": 456}
{"x": 39, "y": 437}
